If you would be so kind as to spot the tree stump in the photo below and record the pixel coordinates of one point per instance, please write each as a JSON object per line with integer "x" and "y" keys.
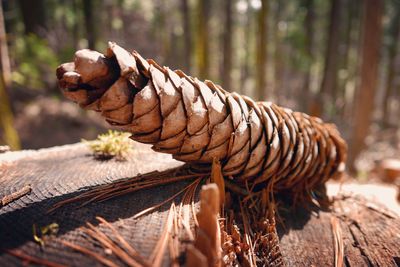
{"x": 371, "y": 236}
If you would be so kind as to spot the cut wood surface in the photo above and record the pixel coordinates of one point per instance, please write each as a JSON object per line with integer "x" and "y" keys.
{"x": 370, "y": 234}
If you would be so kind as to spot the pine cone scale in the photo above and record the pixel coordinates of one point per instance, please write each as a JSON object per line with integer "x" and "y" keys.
{"x": 197, "y": 121}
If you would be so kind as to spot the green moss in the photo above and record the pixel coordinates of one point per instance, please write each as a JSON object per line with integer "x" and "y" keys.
{"x": 112, "y": 144}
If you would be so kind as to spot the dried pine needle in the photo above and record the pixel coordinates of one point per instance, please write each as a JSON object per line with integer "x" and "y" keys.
{"x": 143, "y": 212}
{"x": 113, "y": 144}
{"x": 218, "y": 179}
{"x": 89, "y": 253}
{"x": 159, "y": 250}
{"x": 123, "y": 187}
{"x": 30, "y": 259}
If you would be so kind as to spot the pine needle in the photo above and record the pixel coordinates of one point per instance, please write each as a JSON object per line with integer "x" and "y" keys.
{"x": 89, "y": 253}
{"x": 143, "y": 212}
{"x": 30, "y": 259}
{"x": 132, "y": 252}
{"x": 126, "y": 186}
{"x": 159, "y": 250}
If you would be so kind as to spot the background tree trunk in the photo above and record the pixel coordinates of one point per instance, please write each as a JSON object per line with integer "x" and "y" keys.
{"x": 33, "y": 15}
{"x": 187, "y": 37}
{"x": 227, "y": 47}
{"x": 394, "y": 31}
{"x": 203, "y": 42}
{"x": 245, "y": 68}
{"x": 280, "y": 52}
{"x": 88, "y": 13}
{"x": 365, "y": 95}
{"x": 261, "y": 51}
{"x": 309, "y": 41}
{"x": 329, "y": 80}
{"x": 6, "y": 117}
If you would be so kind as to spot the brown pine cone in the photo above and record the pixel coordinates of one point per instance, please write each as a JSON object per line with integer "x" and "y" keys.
{"x": 197, "y": 121}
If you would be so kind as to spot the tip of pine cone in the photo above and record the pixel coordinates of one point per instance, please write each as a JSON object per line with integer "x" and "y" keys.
{"x": 63, "y": 68}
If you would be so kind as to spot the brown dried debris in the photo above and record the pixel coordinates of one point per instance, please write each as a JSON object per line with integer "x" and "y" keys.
{"x": 15, "y": 195}
{"x": 338, "y": 242}
{"x": 195, "y": 121}
{"x": 208, "y": 238}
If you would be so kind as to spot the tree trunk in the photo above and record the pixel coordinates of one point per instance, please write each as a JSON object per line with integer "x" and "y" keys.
{"x": 368, "y": 232}
{"x": 245, "y": 71}
{"x": 163, "y": 32}
{"x": 5, "y": 59}
{"x": 364, "y": 105}
{"x": 227, "y": 47}
{"x": 280, "y": 53}
{"x": 75, "y": 26}
{"x": 187, "y": 37}
{"x": 33, "y": 15}
{"x": 352, "y": 60}
{"x": 349, "y": 14}
{"x": 394, "y": 32}
{"x": 309, "y": 41}
{"x": 90, "y": 24}
{"x": 202, "y": 53}
{"x": 6, "y": 117}
{"x": 261, "y": 51}
{"x": 329, "y": 80}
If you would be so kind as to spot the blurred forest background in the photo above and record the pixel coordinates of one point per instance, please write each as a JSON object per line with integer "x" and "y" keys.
{"x": 337, "y": 59}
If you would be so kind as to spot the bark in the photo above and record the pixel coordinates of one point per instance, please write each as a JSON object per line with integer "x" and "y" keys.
{"x": 33, "y": 15}
{"x": 261, "y": 51}
{"x": 227, "y": 46}
{"x": 364, "y": 105}
{"x": 203, "y": 40}
{"x": 329, "y": 81}
{"x": 199, "y": 122}
{"x": 187, "y": 35}
{"x": 394, "y": 32}
{"x": 90, "y": 23}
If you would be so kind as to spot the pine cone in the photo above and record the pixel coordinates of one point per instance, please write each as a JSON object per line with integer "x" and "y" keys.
{"x": 197, "y": 121}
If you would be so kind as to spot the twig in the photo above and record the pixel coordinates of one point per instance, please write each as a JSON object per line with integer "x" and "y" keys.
{"x": 16, "y": 195}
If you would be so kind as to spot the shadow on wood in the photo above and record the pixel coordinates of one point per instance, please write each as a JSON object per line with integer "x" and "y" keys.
{"x": 370, "y": 235}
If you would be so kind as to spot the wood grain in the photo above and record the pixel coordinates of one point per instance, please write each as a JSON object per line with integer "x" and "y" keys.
{"x": 370, "y": 236}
